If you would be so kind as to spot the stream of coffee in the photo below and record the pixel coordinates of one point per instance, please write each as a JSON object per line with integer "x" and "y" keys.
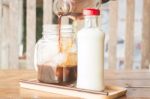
{"x": 74, "y": 16}
{"x": 59, "y": 32}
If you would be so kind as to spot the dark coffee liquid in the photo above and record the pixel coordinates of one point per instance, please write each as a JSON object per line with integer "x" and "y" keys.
{"x": 61, "y": 75}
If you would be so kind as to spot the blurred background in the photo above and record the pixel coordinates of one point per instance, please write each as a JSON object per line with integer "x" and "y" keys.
{"x": 21, "y": 24}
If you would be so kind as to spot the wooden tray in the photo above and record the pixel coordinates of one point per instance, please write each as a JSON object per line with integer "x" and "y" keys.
{"x": 110, "y": 92}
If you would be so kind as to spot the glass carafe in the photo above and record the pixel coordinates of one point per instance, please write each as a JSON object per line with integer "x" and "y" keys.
{"x": 74, "y": 8}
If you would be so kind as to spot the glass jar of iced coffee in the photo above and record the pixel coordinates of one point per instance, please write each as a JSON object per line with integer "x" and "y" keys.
{"x": 53, "y": 65}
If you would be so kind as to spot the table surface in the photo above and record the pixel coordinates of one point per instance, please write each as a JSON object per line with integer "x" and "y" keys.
{"x": 137, "y": 83}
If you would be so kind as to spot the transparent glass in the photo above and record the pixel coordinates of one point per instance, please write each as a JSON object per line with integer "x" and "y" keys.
{"x": 53, "y": 66}
{"x": 74, "y": 8}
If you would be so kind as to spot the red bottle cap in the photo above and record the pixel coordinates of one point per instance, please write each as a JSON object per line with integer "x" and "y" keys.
{"x": 91, "y": 12}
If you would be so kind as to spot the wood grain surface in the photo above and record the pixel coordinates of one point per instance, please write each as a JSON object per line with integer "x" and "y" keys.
{"x": 47, "y": 11}
{"x": 31, "y": 31}
{"x": 112, "y": 47}
{"x": 129, "y": 35}
{"x": 137, "y": 83}
{"x": 146, "y": 35}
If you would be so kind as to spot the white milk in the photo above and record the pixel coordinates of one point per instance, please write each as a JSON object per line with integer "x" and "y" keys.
{"x": 90, "y": 41}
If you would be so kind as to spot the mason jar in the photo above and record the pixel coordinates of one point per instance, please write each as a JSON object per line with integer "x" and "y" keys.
{"x": 52, "y": 65}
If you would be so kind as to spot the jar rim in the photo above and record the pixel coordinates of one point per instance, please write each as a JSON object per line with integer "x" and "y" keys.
{"x": 53, "y": 28}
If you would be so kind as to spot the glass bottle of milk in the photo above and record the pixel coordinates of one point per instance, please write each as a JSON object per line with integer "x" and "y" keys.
{"x": 90, "y": 42}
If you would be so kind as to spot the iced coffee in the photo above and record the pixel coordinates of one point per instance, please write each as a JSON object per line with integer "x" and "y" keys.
{"x": 59, "y": 73}
{"x": 55, "y": 55}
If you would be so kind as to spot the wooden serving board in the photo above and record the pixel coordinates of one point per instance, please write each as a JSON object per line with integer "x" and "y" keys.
{"x": 110, "y": 92}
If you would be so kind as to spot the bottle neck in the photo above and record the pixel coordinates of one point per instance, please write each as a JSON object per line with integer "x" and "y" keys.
{"x": 91, "y": 21}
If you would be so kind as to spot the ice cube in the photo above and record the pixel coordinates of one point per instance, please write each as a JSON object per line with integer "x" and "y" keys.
{"x": 60, "y": 58}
